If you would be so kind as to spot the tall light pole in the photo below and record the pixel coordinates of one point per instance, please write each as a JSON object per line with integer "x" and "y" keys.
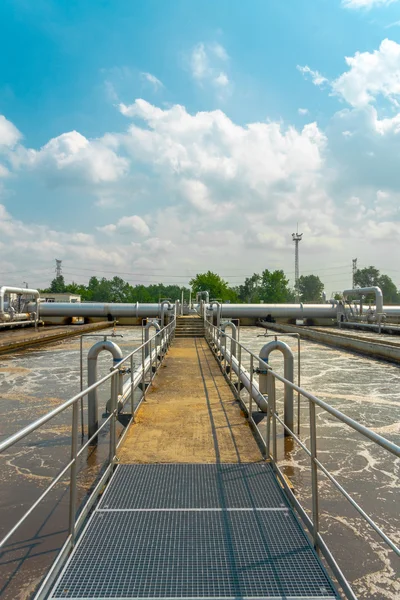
{"x": 354, "y": 272}
{"x": 296, "y": 237}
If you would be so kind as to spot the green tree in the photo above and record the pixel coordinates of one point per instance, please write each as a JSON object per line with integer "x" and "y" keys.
{"x": 211, "y": 283}
{"x": 367, "y": 277}
{"x": 370, "y": 276}
{"x": 249, "y": 292}
{"x": 274, "y": 287}
{"x": 391, "y": 295}
{"x": 57, "y": 286}
{"x": 310, "y": 288}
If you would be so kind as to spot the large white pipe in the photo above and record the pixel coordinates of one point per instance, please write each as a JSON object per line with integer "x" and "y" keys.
{"x": 365, "y": 290}
{"x": 99, "y": 309}
{"x": 291, "y": 311}
{"x": 32, "y": 307}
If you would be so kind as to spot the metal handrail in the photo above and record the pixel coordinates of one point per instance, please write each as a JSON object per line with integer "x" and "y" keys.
{"x": 215, "y": 334}
{"x": 19, "y": 435}
{"x": 164, "y": 337}
{"x": 375, "y": 437}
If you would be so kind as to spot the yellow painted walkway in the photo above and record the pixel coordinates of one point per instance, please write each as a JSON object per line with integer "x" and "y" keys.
{"x": 190, "y": 414}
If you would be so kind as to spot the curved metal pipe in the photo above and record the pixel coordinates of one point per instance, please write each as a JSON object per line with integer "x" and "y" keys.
{"x": 93, "y": 400}
{"x": 288, "y": 374}
{"x": 234, "y": 335}
{"x": 12, "y": 316}
{"x": 147, "y": 334}
{"x": 378, "y": 297}
{"x": 219, "y": 306}
{"x": 163, "y": 304}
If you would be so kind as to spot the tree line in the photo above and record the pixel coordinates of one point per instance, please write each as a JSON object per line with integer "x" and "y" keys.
{"x": 267, "y": 287}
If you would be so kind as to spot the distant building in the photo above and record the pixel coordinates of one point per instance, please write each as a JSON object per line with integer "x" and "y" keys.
{"x": 49, "y": 297}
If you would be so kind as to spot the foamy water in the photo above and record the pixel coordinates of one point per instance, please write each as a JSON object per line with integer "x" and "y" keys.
{"x": 369, "y": 392}
{"x": 32, "y": 383}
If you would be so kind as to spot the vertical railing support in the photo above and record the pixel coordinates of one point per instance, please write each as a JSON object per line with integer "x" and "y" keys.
{"x": 272, "y": 405}
{"x": 314, "y": 473}
{"x": 143, "y": 374}
{"x": 113, "y": 412}
{"x": 74, "y": 470}
{"x": 132, "y": 389}
{"x": 251, "y": 387}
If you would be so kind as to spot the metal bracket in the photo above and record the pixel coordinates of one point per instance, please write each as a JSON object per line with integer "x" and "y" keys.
{"x": 124, "y": 370}
{"x": 260, "y": 371}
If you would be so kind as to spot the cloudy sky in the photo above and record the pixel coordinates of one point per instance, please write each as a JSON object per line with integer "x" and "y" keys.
{"x": 155, "y": 140}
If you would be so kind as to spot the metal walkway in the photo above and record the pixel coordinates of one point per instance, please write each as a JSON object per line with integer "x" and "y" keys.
{"x": 192, "y": 531}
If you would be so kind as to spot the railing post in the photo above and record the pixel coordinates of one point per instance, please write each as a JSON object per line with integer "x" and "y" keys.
{"x": 251, "y": 387}
{"x": 230, "y": 364}
{"x": 72, "y": 485}
{"x": 272, "y": 411}
{"x": 270, "y": 394}
{"x": 113, "y": 411}
{"x": 143, "y": 373}
{"x": 132, "y": 389}
{"x": 223, "y": 336}
{"x": 240, "y": 368}
{"x": 314, "y": 473}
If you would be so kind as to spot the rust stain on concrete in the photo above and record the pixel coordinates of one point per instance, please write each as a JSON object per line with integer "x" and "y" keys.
{"x": 190, "y": 415}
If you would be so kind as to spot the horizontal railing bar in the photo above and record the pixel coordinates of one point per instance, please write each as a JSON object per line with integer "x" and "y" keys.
{"x": 358, "y": 508}
{"x": 293, "y": 435}
{"x": 343, "y": 491}
{"x": 19, "y": 435}
{"x": 375, "y": 437}
{"x": 35, "y": 504}
{"x": 381, "y": 441}
{"x": 95, "y": 434}
{"x": 320, "y": 541}
{"x": 43, "y": 420}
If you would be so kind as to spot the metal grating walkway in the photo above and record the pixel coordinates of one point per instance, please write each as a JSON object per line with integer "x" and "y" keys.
{"x": 190, "y": 532}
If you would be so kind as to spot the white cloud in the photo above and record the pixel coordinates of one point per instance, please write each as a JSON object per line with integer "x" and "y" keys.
{"x": 303, "y": 111}
{"x": 155, "y": 82}
{"x": 205, "y": 64}
{"x": 366, "y": 3}
{"x": 71, "y": 156}
{"x": 316, "y": 77}
{"x": 199, "y": 62}
{"x": 395, "y": 24}
{"x": 9, "y": 134}
{"x": 222, "y": 80}
{"x": 200, "y": 191}
{"x": 129, "y": 224}
{"x": 370, "y": 75}
{"x": 219, "y": 51}
{"x": 210, "y": 145}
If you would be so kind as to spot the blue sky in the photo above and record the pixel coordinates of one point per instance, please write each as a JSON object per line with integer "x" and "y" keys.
{"x": 171, "y": 137}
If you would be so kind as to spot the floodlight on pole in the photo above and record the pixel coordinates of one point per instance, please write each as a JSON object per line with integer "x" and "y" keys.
{"x": 296, "y": 237}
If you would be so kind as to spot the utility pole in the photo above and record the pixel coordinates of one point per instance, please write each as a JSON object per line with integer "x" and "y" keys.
{"x": 296, "y": 237}
{"x": 58, "y": 268}
{"x": 354, "y": 271}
